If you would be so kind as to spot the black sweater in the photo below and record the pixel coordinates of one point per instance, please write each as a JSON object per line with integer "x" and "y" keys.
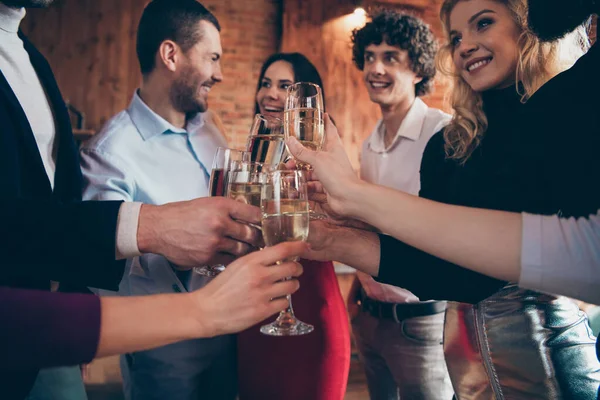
{"x": 539, "y": 157}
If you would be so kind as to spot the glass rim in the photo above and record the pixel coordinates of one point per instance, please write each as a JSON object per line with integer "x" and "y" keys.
{"x": 296, "y": 84}
{"x": 304, "y": 83}
{"x": 267, "y": 118}
{"x": 270, "y": 123}
{"x": 231, "y": 149}
{"x": 288, "y": 172}
{"x": 265, "y": 168}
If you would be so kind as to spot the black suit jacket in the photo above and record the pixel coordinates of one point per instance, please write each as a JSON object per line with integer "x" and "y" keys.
{"x": 44, "y": 234}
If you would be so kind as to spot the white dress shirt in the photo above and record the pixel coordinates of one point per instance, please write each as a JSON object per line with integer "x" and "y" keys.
{"x": 562, "y": 256}
{"x": 397, "y": 166}
{"x": 25, "y": 83}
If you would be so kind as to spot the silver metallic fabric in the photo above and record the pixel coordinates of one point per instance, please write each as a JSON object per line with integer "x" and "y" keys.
{"x": 519, "y": 344}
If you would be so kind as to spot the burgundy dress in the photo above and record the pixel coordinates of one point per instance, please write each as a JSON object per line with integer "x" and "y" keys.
{"x": 313, "y": 366}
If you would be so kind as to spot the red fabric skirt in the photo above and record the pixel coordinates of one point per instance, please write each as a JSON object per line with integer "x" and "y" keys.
{"x": 308, "y": 367}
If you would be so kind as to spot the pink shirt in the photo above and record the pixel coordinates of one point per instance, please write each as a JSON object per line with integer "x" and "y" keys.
{"x": 397, "y": 167}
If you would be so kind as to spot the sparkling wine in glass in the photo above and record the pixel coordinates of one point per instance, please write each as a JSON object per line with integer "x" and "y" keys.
{"x": 303, "y": 116}
{"x": 285, "y": 218}
{"x": 266, "y": 142}
{"x": 303, "y": 119}
{"x": 245, "y": 182}
{"x": 224, "y": 161}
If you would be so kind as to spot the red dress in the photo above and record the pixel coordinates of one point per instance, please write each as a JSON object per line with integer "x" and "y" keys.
{"x": 308, "y": 367}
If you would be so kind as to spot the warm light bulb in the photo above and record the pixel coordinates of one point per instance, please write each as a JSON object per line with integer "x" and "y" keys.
{"x": 360, "y": 12}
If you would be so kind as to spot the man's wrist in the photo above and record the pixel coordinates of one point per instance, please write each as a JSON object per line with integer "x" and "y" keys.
{"x": 359, "y": 249}
{"x": 146, "y": 233}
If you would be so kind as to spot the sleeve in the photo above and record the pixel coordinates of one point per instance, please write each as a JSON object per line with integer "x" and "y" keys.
{"x": 562, "y": 256}
{"x": 105, "y": 178}
{"x": 44, "y": 329}
{"x": 65, "y": 242}
{"x": 426, "y": 276}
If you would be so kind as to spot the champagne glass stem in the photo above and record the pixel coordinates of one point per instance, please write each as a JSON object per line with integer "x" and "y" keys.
{"x": 287, "y": 317}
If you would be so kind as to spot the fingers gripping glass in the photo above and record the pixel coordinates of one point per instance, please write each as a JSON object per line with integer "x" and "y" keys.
{"x": 225, "y": 159}
{"x": 285, "y": 218}
{"x": 245, "y": 182}
{"x": 266, "y": 142}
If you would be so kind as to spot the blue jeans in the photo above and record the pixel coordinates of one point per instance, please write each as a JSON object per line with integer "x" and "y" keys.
{"x": 403, "y": 360}
{"x": 190, "y": 370}
{"x": 61, "y": 383}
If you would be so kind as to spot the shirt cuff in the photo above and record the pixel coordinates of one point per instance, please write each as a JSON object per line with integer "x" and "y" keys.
{"x": 127, "y": 227}
{"x": 532, "y": 271}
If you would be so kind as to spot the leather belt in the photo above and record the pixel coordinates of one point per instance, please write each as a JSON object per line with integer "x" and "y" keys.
{"x": 399, "y": 311}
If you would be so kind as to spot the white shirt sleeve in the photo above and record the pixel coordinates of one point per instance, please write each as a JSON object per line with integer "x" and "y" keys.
{"x": 127, "y": 227}
{"x": 562, "y": 256}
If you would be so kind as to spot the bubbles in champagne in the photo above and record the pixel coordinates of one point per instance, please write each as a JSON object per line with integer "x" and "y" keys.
{"x": 248, "y": 193}
{"x": 285, "y": 221}
{"x": 306, "y": 125}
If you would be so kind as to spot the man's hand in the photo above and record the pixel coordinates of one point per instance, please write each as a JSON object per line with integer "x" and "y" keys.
{"x": 250, "y": 289}
{"x": 204, "y": 231}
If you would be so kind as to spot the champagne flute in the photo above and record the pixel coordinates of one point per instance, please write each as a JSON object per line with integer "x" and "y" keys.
{"x": 285, "y": 218}
{"x": 266, "y": 142}
{"x": 225, "y": 159}
{"x": 303, "y": 119}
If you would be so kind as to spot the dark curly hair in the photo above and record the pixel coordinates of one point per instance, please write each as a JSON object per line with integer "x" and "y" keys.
{"x": 406, "y": 32}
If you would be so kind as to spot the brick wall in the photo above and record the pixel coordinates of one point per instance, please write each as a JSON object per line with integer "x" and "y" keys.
{"x": 321, "y": 30}
{"x": 91, "y": 47}
{"x": 250, "y": 34}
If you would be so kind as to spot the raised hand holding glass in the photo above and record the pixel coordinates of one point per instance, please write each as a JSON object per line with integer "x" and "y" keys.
{"x": 285, "y": 218}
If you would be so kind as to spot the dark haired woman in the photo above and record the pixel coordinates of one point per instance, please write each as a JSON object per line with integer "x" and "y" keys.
{"x": 313, "y": 366}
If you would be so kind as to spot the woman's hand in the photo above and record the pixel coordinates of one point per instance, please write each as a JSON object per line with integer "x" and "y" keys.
{"x": 332, "y": 182}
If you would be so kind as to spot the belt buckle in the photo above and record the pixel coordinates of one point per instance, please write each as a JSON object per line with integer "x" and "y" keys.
{"x": 395, "y": 313}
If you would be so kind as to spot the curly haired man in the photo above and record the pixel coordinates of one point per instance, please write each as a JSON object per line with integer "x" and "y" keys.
{"x": 398, "y": 336}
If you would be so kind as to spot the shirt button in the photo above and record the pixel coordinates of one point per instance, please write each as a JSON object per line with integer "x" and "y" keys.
{"x": 176, "y": 288}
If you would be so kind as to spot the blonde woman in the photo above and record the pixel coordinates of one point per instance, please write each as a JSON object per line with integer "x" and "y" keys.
{"x": 502, "y": 342}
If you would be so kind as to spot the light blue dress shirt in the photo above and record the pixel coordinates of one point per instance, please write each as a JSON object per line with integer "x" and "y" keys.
{"x": 139, "y": 156}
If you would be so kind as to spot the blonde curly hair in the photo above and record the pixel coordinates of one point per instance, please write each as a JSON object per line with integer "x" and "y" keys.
{"x": 538, "y": 62}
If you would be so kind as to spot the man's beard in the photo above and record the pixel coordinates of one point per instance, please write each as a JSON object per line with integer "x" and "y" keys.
{"x": 27, "y": 3}
{"x": 553, "y": 19}
{"x": 184, "y": 93}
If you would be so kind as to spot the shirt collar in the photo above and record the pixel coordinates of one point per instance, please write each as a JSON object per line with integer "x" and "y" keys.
{"x": 410, "y": 128}
{"x": 10, "y": 18}
{"x": 150, "y": 124}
